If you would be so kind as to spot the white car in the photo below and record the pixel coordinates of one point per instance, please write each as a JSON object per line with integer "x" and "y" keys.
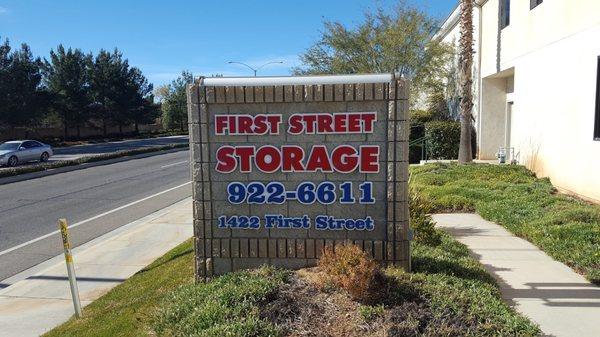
{"x": 21, "y": 151}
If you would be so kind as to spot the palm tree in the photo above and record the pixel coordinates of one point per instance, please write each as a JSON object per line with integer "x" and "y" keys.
{"x": 465, "y": 78}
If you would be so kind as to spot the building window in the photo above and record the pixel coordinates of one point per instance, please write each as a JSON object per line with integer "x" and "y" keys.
{"x": 597, "y": 122}
{"x": 504, "y": 13}
{"x": 534, "y": 3}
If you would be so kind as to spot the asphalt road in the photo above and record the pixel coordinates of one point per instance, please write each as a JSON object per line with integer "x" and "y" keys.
{"x": 73, "y": 152}
{"x": 30, "y": 209}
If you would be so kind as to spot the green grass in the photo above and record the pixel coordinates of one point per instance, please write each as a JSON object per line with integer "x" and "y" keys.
{"x": 455, "y": 284}
{"x": 162, "y": 299}
{"x": 566, "y": 228}
{"x": 128, "y": 309}
{"x": 227, "y": 306}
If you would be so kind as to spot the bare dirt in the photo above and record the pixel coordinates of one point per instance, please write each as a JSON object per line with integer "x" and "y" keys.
{"x": 308, "y": 306}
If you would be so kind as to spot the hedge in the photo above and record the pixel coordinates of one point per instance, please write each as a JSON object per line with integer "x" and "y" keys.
{"x": 442, "y": 139}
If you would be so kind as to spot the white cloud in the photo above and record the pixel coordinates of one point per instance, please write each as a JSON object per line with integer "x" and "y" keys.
{"x": 3, "y": 10}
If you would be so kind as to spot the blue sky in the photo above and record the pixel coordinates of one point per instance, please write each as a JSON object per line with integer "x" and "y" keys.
{"x": 164, "y": 37}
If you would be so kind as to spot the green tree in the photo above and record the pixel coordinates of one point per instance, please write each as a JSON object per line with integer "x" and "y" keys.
{"x": 5, "y": 63}
{"x": 437, "y": 104}
{"x": 125, "y": 94}
{"x": 105, "y": 75}
{"x": 137, "y": 102}
{"x": 23, "y": 100}
{"x": 174, "y": 101}
{"x": 397, "y": 42}
{"x": 121, "y": 94}
{"x": 67, "y": 78}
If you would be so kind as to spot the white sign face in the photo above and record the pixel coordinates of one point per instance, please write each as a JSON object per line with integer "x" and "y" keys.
{"x": 293, "y": 160}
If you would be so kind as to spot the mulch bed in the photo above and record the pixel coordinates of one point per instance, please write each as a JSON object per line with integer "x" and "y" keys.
{"x": 305, "y": 306}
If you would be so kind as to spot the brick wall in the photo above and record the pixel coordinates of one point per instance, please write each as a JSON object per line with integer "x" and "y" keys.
{"x": 221, "y": 250}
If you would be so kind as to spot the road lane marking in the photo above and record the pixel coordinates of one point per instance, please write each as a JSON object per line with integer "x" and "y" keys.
{"x": 177, "y": 163}
{"x": 91, "y": 219}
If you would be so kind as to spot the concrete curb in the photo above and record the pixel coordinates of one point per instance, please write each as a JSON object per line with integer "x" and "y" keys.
{"x": 40, "y": 174}
{"x": 60, "y": 259}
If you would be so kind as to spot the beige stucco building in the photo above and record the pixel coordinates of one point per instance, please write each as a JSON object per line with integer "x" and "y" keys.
{"x": 536, "y": 78}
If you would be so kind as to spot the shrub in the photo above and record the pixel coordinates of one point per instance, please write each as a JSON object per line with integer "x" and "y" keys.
{"x": 351, "y": 269}
{"x": 418, "y": 117}
{"x": 420, "y": 219}
{"x": 443, "y": 139}
{"x": 437, "y": 106}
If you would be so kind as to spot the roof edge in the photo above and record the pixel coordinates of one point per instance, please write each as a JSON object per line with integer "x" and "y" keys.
{"x": 450, "y": 22}
{"x": 453, "y": 19}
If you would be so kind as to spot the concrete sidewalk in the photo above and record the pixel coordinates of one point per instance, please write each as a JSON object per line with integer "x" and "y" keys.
{"x": 39, "y": 299}
{"x": 561, "y": 301}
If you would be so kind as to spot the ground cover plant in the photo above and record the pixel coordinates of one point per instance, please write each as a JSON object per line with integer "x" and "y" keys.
{"x": 449, "y": 294}
{"x": 128, "y": 309}
{"x": 566, "y": 228}
{"x": 226, "y": 306}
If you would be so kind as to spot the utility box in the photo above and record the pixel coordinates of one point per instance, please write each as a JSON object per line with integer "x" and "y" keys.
{"x": 285, "y": 166}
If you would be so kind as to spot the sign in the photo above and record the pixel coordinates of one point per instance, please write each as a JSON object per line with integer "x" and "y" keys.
{"x": 285, "y": 166}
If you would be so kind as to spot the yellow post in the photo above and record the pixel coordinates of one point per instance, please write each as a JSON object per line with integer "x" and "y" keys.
{"x": 62, "y": 224}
